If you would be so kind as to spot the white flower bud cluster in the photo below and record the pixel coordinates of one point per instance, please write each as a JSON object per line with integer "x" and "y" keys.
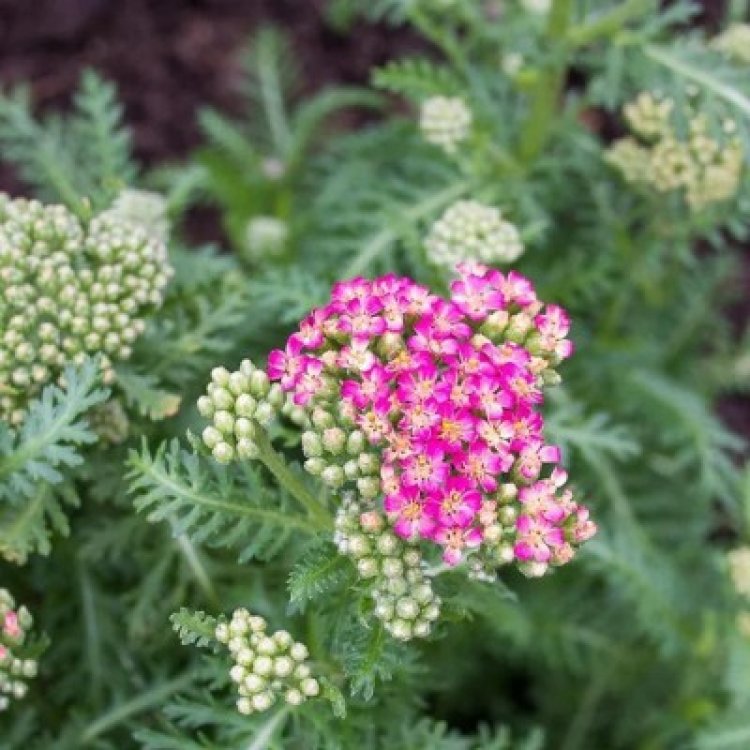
{"x": 734, "y": 42}
{"x": 14, "y": 670}
{"x": 445, "y": 122}
{"x": 265, "y": 666}
{"x": 69, "y": 291}
{"x": 403, "y": 596}
{"x": 739, "y": 571}
{"x": 537, "y": 7}
{"x": 265, "y": 237}
{"x": 239, "y": 404}
{"x": 707, "y": 170}
{"x": 143, "y": 209}
{"x": 469, "y": 230}
{"x": 338, "y": 455}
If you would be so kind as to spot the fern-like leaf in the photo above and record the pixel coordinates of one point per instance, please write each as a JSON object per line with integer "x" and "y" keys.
{"x": 371, "y": 656}
{"x": 322, "y": 569}
{"x": 97, "y": 132}
{"x": 194, "y": 628}
{"x": 209, "y": 504}
{"x": 50, "y": 438}
{"x": 417, "y": 78}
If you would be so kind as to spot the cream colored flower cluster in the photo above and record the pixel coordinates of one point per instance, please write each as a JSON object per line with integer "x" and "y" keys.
{"x": 734, "y": 42}
{"x": 472, "y": 231}
{"x": 265, "y": 237}
{"x": 739, "y": 570}
{"x": 707, "y": 168}
{"x": 70, "y": 290}
{"x": 445, "y": 121}
{"x": 265, "y": 666}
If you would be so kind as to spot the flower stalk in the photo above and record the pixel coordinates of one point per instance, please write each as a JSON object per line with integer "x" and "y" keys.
{"x": 276, "y": 464}
{"x": 549, "y": 84}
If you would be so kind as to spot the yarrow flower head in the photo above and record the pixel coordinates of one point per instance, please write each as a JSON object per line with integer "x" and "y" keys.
{"x": 469, "y": 230}
{"x": 69, "y": 290}
{"x": 734, "y": 42}
{"x": 706, "y": 169}
{"x": 265, "y": 237}
{"x": 427, "y": 408}
{"x": 15, "y": 671}
{"x": 445, "y": 122}
{"x": 266, "y": 666}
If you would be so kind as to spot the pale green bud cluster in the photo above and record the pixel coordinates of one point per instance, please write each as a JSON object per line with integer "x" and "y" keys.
{"x": 240, "y": 404}
{"x": 630, "y": 159}
{"x": 266, "y": 667}
{"x": 69, "y": 291}
{"x": 649, "y": 116}
{"x": 144, "y": 209}
{"x": 537, "y": 7}
{"x": 445, "y": 122}
{"x": 470, "y": 230}
{"x": 337, "y": 453}
{"x": 15, "y": 671}
{"x": 734, "y": 42}
{"x": 403, "y": 598}
{"x": 739, "y": 571}
{"x": 706, "y": 169}
{"x": 265, "y": 237}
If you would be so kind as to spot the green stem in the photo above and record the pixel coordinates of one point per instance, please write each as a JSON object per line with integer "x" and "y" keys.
{"x": 442, "y": 38}
{"x": 606, "y": 24}
{"x": 737, "y": 11}
{"x": 92, "y": 634}
{"x": 580, "y": 726}
{"x": 267, "y": 731}
{"x": 383, "y": 239}
{"x": 271, "y": 91}
{"x": 276, "y": 464}
{"x": 196, "y": 566}
{"x": 549, "y": 84}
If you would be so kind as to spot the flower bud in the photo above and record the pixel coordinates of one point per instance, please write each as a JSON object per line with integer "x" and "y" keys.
{"x": 223, "y": 453}
{"x": 311, "y": 444}
{"x": 259, "y": 383}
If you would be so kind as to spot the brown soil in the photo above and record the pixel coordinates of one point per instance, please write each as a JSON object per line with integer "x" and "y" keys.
{"x": 169, "y": 57}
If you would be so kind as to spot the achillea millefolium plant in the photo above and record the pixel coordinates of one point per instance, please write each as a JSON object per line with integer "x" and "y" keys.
{"x": 342, "y": 484}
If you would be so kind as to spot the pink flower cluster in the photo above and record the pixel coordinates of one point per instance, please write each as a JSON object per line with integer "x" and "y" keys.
{"x": 11, "y": 626}
{"x": 11, "y": 630}
{"x": 448, "y": 391}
